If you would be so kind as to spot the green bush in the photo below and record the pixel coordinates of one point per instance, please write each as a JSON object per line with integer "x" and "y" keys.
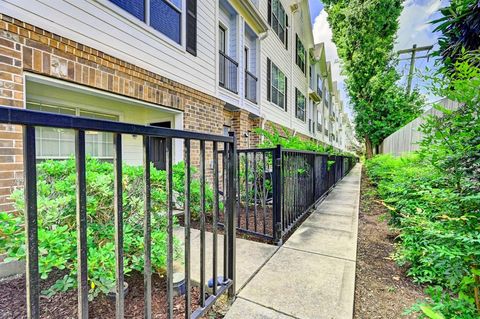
{"x": 434, "y": 199}
{"x": 57, "y": 221}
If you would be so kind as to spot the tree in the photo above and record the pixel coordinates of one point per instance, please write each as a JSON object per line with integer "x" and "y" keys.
{"x": 364, "y": 32}
{"x": 460, "y": 28}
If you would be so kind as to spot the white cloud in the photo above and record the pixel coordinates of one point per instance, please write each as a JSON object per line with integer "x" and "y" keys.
{"x": 415, "y": 27}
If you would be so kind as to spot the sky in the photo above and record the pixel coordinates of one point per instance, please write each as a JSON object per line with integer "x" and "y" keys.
{"x": 414, "y": 29}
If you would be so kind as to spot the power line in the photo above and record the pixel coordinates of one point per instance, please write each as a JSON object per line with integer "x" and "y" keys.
{"x": 413, "y": 51}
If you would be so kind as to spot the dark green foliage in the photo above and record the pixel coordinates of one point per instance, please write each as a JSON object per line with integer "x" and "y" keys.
{"x": 293, "y": 142}
{"x": 460, "y": 28}
{"x": 434, "y": 197}
{"x": 57, "y": 221}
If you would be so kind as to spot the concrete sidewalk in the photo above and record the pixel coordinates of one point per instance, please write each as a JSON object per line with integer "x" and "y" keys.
{"x": 312, "y": 276}
{"x": 251, "y": 256}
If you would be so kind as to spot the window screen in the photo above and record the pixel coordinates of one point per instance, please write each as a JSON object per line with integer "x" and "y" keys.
{"x": 134, "y": 7}
{"x": 166, "y": 18}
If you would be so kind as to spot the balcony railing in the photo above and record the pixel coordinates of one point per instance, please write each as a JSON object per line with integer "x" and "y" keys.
{"x": 228, "y": 73}
{"x": 250, "y": 87}
{"x": 319, "y": 127}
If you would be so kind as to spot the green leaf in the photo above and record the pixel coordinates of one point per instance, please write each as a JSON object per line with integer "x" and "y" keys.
{"x": 430, "y": 313}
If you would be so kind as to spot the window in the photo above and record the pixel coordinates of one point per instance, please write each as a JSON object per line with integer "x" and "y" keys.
{"x": 299, "y": 105}
{"x": 277, "y": 84}
{"x": 300, "y": 54}
{"x": 54, "y": 143}
{"x": 278, "y": 20}
{"x": 319, "y": 85}
{"x": 222, "y": 38}
{"x": 165, "y": 16}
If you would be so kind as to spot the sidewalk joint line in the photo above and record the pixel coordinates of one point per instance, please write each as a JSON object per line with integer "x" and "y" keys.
{"x": 267, "y": 307}
{"x": 320, "y": 254}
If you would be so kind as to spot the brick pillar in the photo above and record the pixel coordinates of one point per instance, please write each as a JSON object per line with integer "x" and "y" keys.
{"x": 241, "y": 124}
{"x": 12, "y": 56}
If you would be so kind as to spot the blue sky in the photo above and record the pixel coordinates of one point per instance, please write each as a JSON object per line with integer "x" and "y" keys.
{"x": 414, "y": 29}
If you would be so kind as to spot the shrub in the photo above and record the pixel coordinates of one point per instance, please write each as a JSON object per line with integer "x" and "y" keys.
{"x": 434, "y": 197}
{"x": 57, "y": 221}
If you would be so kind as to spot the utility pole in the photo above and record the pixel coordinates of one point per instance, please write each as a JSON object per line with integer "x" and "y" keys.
{"x": 413, "y": 51}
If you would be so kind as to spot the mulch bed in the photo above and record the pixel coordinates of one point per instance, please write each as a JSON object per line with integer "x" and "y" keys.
{"x": 64, "y": 305}
{"x": 382, "y": 289}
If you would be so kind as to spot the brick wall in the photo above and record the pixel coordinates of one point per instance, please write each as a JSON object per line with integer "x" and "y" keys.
{"x": 24, "y": 47}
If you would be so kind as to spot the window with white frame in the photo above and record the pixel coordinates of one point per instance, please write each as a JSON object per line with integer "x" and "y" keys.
{"x": 278, "y": 86}
{"x": 55, "y": 143}
{"x": 278, "y": 19}
{"x": 299, "y": 105}
{"x": 301, "y": 55}
{"x": 164, "y": 16}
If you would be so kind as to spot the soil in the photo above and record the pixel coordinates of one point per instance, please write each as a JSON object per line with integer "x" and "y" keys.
{"x": 64, "y": 305}
{"x": 382, "y": 289}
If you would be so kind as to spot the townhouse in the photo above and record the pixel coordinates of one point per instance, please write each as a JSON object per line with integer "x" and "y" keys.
{"x": 206, "y": 66}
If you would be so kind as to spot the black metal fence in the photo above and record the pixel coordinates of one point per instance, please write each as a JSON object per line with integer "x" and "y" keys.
{"x": 277, "y": 187}
{"x": 220, "y": 147}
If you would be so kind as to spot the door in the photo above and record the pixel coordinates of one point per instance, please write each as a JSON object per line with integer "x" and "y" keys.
{"x": 158, "y": 148}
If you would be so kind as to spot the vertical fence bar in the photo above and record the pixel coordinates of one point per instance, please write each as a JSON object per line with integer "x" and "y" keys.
{"x": 265, "y": 193}
{"x": 147, "y": 235}
{"x": 255, "y": 189}
{"x": 239, "y": 189}
{"x": 202, "y": 223}
{"x": 277, "y": 194}
{"x": 232, "y": 156}
{"x": 31, "y": 223}
{"x": 82, "y": 272}
{"x": 215, "y": 215}
{"x": 226, "y": 216}
{"x": 247, "y": 198}
{"x": 187, "y": 229}
{"x": 169, "y": 171}
{"x": 118, "y": 212}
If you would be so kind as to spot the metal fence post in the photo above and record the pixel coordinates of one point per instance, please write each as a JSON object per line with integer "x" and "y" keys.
{"x": 277, "y": 195}
{"x": 232, "y": 165}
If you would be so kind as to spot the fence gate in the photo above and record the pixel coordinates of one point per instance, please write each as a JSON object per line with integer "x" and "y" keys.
{"x": 219, "y": 147}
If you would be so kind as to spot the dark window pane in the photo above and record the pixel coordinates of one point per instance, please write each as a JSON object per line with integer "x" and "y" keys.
{"x": 134, "y": 7}
{"x": 166, "y": 19}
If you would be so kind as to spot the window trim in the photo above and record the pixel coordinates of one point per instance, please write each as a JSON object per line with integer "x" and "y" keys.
{"x": 284, "y": 27}
{"x": 77, "y": 111}
{"x": 272, "y": 87}
{"x": 297, "y": 93}
{"x": 297, "y": 57}
{"x": 137, "y": 23}
{"x": 225, "y": 37}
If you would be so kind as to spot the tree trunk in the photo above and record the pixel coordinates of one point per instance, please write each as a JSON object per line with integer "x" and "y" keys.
{"x": 368, "y": 147}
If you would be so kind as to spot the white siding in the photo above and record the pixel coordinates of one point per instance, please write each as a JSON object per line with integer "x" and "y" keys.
{"x": 274, "y": 49}
{"x": 103, "y": 26}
